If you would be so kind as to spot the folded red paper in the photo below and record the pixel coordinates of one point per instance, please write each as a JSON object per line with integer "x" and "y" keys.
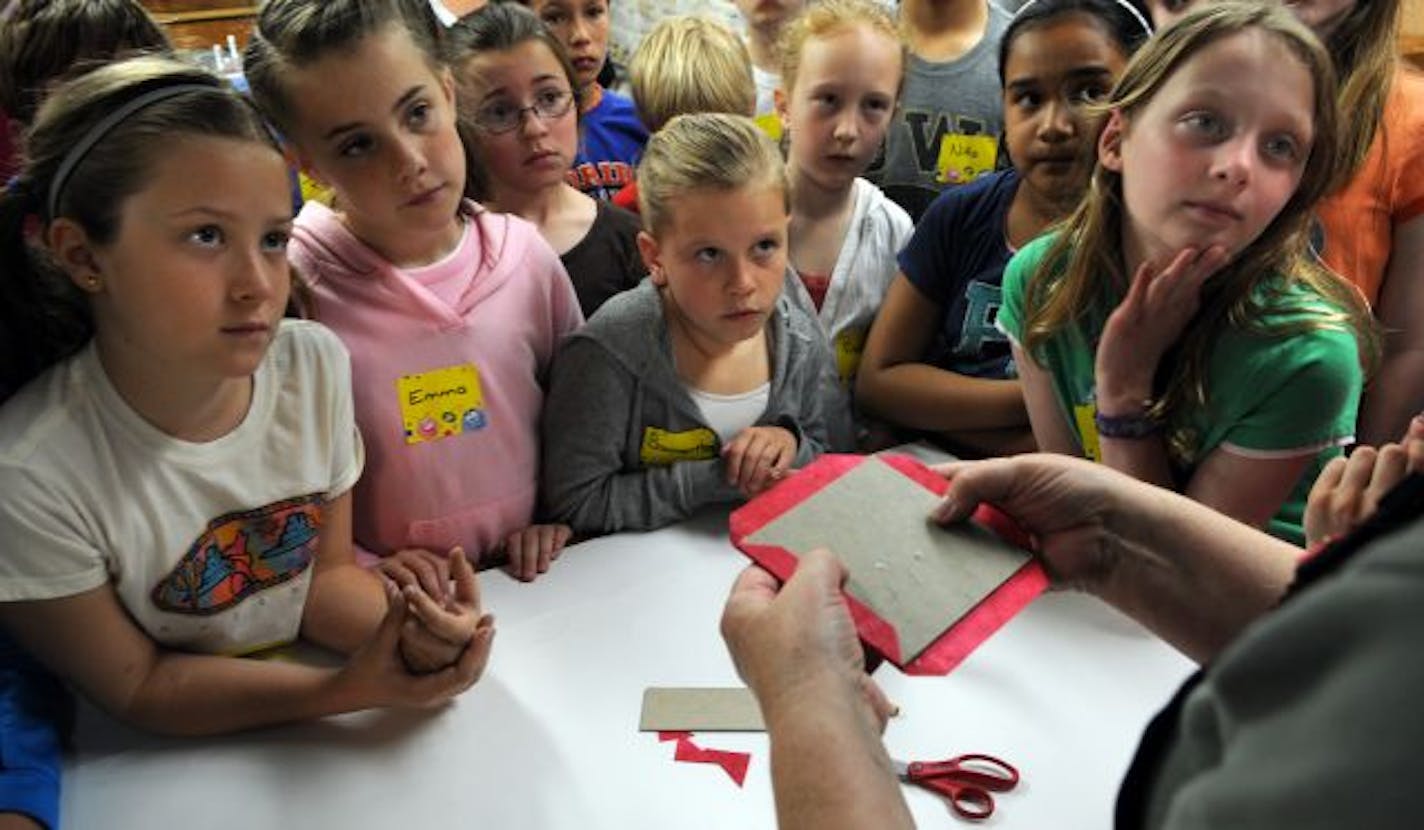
{"x": 734, "y": 763}
{"x": 963, "y": 635}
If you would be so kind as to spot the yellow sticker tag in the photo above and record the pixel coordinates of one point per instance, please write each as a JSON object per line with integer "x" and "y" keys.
{"x": 1084, "y": 414}
{"x": 661, "y": 447}
{"x": 441, "y": 403}
{"x": 850, "y": 345}
{"x": 770, "y": 124}
{"x": 964, "y": 158}
{"x": 314, "y": 191}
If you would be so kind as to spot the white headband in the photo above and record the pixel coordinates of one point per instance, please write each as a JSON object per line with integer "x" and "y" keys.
{"x": 1131, "y": 9}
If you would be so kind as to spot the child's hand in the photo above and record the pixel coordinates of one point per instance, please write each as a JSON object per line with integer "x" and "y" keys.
{"x": 418, "y": 567}
{"x": 1348, "y": 490}
{"x": 758, "y": 458}
{"x": 532, "y": 550}
{"x": 376, "y": 676}
{"x": 434, "y": 634}
{"x": 1160, "y": 302}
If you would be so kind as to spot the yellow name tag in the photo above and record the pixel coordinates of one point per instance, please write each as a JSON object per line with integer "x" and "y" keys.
{"x": 661, "y": 447}
{"x": 1088, "y": 429}
{"x": 850, "y": 345}
{"x": 441, "y": 403}
{"x": 314, "y": 191}
{"x": 770, "y": 124}
{"x": 964, "y": 158}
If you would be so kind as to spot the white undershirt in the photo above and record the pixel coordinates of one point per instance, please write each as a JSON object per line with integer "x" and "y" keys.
{"x": 728, "y": 415}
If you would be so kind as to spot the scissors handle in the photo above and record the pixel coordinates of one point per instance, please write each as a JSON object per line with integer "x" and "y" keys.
{"x": 969, "y": 801}
{"x": 976, "y": 770}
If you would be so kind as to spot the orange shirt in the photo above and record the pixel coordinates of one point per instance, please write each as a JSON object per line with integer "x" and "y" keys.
{"x": 1387, "y": 191}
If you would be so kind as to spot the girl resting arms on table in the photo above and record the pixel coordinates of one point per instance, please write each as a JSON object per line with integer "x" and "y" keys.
{"x": 1177, "y": 327}
{"x": 177, "y": 459}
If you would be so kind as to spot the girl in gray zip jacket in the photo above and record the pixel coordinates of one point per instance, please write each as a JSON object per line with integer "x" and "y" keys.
{"x": 708, "y": 381}
{"x": 625, "y": 445}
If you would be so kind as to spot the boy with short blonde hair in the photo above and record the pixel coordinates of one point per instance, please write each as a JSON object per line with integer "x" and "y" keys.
{"x": 691, "y": 64}
{"x": 688, "y": 64}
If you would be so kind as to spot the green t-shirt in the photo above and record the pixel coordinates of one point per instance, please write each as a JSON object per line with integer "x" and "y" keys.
{"x": 1268, "y": 396}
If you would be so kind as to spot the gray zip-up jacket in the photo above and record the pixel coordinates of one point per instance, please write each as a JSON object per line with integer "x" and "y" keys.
{"x": 626, "y": 448}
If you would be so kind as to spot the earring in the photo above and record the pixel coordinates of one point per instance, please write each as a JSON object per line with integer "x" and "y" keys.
{"x": 92, "y": 282}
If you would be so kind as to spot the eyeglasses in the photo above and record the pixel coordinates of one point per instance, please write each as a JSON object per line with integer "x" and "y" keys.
{"x": 502, "y": 116}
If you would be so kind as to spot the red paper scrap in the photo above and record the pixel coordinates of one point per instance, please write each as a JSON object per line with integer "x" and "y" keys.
{"x": 735, "y": 763}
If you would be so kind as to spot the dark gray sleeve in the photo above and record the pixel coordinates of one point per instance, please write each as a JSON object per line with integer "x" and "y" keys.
{"x": 585, "y": 440}
{"x": 1311, "y": 718}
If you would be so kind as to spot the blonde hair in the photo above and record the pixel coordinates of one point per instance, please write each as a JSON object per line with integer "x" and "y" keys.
{"x": 1082, "y": 277}
{"x": 828, "y": 17}
{"x": 1363, "y": 48}
{"x": 691, "y": 64}
{"x": 704, "y": 150}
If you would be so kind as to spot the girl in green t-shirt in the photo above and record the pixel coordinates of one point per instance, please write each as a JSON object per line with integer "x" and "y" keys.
{"x": 1176, "y": 328}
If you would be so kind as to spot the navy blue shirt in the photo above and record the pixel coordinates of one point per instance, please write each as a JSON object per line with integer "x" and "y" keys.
{"x": 956, "y": 259}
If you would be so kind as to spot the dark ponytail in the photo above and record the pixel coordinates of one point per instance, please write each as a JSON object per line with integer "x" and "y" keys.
{"x": 43, "y": 316}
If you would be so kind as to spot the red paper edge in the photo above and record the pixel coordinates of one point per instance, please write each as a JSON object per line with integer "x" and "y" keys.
{"x": 781, "y": 562}
{"x": 957, "y": 641}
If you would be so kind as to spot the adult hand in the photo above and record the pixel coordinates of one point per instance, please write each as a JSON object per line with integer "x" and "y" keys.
{"x": 1349, "y": 489}
{"x": 418, "y": 567}
{"x": 1066, "y": 503}
{"x": 533, "y": 549}
{"x": 1159, "y": 304}
{"x": 791, "y": 646}
{"x": 758, "y": 457}
{"x": 376, "y": 675}
{"x": 434, "y": 634}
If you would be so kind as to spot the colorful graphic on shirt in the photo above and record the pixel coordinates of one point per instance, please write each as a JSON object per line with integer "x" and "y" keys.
{"x": 981, "y": 313}
{"x": 661, "y": 447}
{"x": 604, "y": 177}
{"x": 441, "y": 403}
{"x": 240, "y": 554}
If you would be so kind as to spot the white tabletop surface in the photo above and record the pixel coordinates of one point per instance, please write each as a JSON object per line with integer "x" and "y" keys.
{"x": 549, "y": 736}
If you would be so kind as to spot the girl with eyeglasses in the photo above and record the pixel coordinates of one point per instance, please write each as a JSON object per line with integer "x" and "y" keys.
{"x": 451, "y": 312}
{"x": 520, "y": 100}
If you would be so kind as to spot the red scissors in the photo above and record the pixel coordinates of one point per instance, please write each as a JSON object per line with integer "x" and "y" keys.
{"x": 967, "y": 781}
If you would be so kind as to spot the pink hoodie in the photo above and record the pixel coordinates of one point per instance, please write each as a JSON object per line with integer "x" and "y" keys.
{"x": 451, "y": 456}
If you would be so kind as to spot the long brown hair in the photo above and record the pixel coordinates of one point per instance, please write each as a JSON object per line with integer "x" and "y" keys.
{"x": 1363, "y": 48}
{"x": 1082, "y": 277}
{"x": 43, "y": 42}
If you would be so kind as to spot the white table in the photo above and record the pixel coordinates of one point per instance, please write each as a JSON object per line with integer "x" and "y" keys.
{"x": 548, "y": 738}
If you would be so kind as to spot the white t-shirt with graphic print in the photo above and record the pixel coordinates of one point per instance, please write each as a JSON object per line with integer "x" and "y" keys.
{"x": 209, "y": 546}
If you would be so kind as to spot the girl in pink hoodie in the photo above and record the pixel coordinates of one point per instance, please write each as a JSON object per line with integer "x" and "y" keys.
{"x": 451, "y": 313}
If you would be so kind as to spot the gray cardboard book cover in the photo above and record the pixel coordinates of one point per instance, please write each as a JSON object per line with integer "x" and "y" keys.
{"x": 917, "y": 576}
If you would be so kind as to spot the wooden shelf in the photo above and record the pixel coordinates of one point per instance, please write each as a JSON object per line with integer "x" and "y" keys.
{"x": 198, "y": 25}
{"x": 1412, "y": 48}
